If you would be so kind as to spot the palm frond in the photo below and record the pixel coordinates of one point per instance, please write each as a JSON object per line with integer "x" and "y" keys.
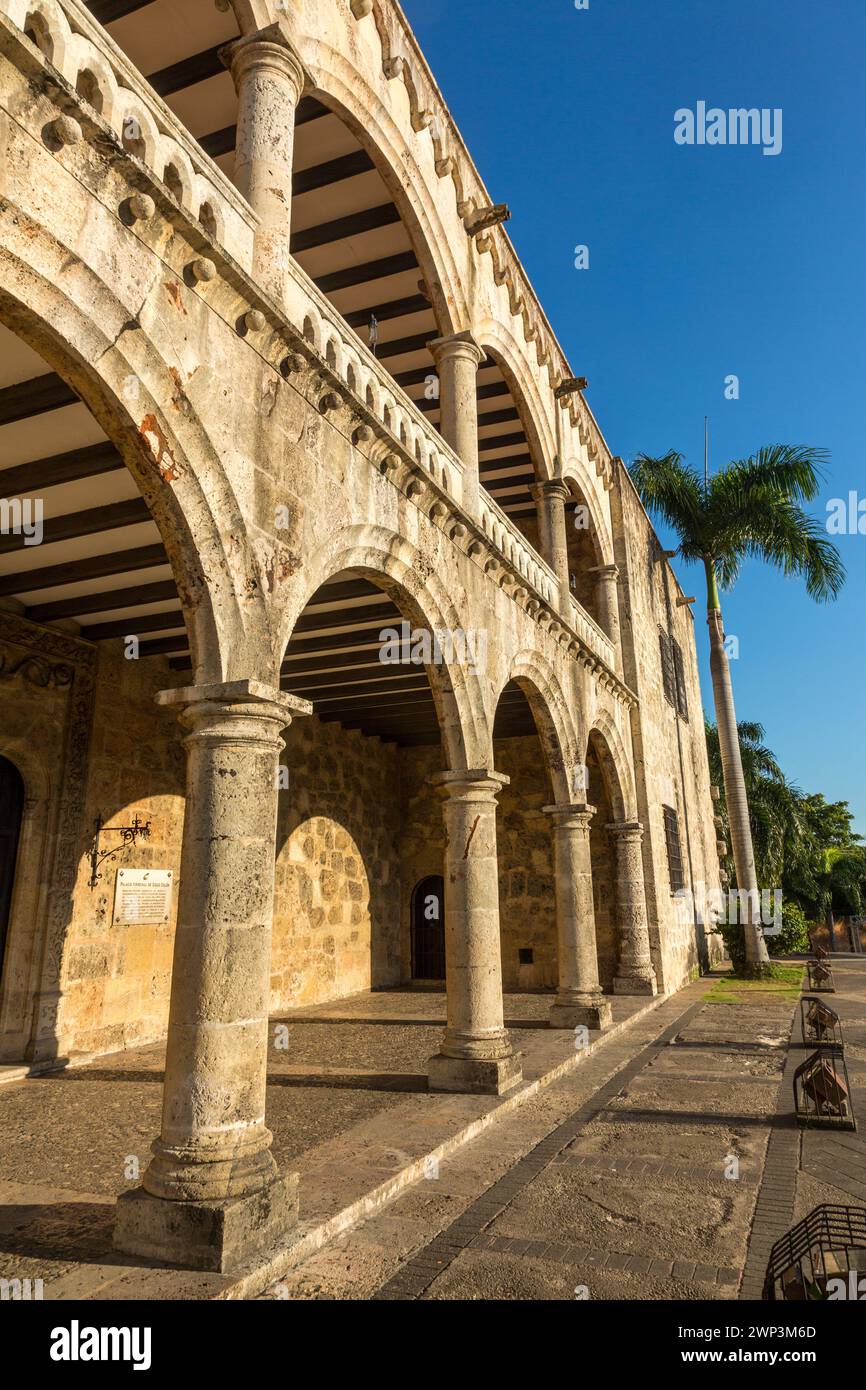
{"x": 673, "y": 491}
{"x": 793, "y": 470}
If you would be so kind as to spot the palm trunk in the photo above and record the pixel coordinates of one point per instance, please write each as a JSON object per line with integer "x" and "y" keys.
{"x": 735, "y": 787}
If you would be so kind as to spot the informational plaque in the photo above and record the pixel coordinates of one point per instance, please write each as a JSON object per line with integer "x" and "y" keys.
{"x": 143, "y": 896}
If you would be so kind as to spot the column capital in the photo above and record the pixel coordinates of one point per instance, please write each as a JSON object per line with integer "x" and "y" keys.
{"x": 476, "y": 785}
{"x": 605, "y": 571}
{"x": 571, "y": 816}
{"x": 458, "y": 345}
{"x": 258, "y": 698}
{"x": 551, "y": 487}
{"x": 265, "y": 48}
{"x": 626, "y": 831}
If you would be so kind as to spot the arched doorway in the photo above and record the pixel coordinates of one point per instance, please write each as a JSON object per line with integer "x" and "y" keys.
{"x": 428, "y": 929}
{"x": 11, "y": 810}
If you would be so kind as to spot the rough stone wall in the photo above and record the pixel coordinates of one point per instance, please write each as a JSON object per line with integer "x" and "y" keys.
{"x": 524, "y": 839}
{"x": 336, "y": 909}
{"x": 116, "y": 978}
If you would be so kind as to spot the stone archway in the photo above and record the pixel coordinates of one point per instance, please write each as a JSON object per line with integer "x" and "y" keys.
{"x": 110, "y": 347}
{"x": 393, "y": 565}
{"x": 428, "y": 929}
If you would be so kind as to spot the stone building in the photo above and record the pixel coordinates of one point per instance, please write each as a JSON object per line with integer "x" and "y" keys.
{"x": 322, "y": 598}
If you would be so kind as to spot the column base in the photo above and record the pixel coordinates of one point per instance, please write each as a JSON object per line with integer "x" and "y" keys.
{"x": 474, "y": 1075}
{"x": 635, "y": 984}
{"x": 594, "y": 1013}
{"x": 216, "y": 1236}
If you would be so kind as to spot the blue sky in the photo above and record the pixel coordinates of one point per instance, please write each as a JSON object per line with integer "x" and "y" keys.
{"x": 704, "y": 262}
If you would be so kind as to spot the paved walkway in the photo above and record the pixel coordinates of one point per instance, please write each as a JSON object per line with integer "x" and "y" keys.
{"x": 654, "y": 1182}
{"x": 347, "y": 1103}
{"x": 661, "y": 1164}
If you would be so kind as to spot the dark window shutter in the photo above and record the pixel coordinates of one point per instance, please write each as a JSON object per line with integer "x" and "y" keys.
{"x": 668, "y": 677}
{"x": 682, "y": 702}
{"x": 674, "y": 848}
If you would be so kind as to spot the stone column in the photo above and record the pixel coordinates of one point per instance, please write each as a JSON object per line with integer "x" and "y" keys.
{"x": 635, "y": 974}
{"x": 607, "y": 604}
{"x": 550, "y": 499}
{"x": 269, "y": 79}
{"x": 212, "y": 1197}
{"x": 579, "y": 998}
{"x": 457, "y": 361}
{"x": 476, "y": 1053}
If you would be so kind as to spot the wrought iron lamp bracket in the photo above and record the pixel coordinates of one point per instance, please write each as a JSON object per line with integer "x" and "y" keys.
{"x": 131, "y": 834}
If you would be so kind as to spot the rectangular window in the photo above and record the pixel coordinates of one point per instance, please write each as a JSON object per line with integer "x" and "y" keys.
{"x": 674, "y": 848}
{"x": 669, "y": 680}
{"x": 680, "y": 678}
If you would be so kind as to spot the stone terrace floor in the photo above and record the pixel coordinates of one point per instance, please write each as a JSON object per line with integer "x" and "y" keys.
{"x": 609, "y": 1176}
{"x": 347, "y": 1104}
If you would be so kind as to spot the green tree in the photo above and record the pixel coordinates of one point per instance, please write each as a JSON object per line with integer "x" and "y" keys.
{"x": 752, "y": 508}
{"x": 775, "y": 804}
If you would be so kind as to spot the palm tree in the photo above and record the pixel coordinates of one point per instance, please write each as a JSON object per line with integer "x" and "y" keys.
{"x": 775, "y": 804}
{"x": 751, "y": 509}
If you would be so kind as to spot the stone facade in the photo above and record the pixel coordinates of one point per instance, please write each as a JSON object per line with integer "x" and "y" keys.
{"x": 276, "y": 455}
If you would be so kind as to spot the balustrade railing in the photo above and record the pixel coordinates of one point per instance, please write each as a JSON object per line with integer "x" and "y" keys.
{"x": 84, "y": 54}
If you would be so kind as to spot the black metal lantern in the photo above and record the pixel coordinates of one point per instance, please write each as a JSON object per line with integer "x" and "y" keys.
{"x": 822, "y": 1091}
{"x": 819, "y": 1023}
{"x": 819, "y": 1258}
{"x": 820, "y": 977}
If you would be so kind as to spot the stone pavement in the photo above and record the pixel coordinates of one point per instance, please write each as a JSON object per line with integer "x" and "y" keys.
{"x": 618, "y": 1182}
{"x": 808, "y": 1167}
{"x": 347, "y": 1103}
{"x": 608, "y": 1173}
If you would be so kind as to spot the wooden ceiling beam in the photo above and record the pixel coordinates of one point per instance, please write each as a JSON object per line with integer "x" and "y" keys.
{"x": 159, "y": 592}
{"x": 401, "y": 347}
{"x": 77, "y": 571}
{"x": 89, "y": 462}
{"x": 396, "y": 309}
{"x": 132, "y": 626}
{"x": 501, "y": 441}
{"x": 368, "y": 272}
{"x": 188, "y": 72}
{"x": 34, "y": 397}
{"x": 107, "y": 11}
{"x": 84, "y": 523}
{"x": 355, "y": 224}
{"x": 348, "y": 166}
{"x": 498, "y": 417}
